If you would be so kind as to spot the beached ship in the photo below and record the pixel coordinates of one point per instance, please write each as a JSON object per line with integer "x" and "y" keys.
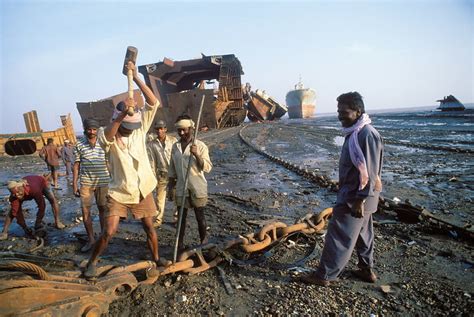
{"x": 450, "y": 103}
{"x": 301, "y": 102}
{"x": 35, "y": 138}
{"x": 262, "y": 107}
{"x": 180, "y": 86}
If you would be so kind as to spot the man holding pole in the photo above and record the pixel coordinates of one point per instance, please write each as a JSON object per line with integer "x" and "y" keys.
{"x": 189, "y": 153}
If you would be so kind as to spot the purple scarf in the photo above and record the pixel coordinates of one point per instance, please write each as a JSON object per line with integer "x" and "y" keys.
{"x": 357, "y": 157}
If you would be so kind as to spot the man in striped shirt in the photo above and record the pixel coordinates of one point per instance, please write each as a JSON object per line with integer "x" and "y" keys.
{"x": 91, "y": 168}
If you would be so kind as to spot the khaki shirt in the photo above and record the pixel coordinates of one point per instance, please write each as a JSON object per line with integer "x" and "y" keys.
{"x": 160, "y": 155}
{"x": 197, "y": 183}
{"x": 131, "y": 175}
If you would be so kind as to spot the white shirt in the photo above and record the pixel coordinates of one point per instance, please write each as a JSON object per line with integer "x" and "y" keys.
{"x": 197, "y": 183}
{"x": 130, "y": 170}
{"x": 160, "y": 154}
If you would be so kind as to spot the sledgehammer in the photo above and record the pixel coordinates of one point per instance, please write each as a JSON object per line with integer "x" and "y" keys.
{"x": 130, "y": 55}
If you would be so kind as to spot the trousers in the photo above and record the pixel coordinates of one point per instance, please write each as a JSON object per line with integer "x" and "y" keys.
{"x": 346, "y": 233}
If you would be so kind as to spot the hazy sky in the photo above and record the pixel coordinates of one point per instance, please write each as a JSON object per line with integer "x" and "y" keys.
{"x": 395, "y": 53}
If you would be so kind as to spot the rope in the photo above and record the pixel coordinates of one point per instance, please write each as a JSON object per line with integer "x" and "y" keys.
{"x": 25, "y": 267}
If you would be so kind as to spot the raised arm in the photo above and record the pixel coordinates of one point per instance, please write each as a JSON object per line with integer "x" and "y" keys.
{"x": 111, "y": 130}
{"x": 149, "y": 95}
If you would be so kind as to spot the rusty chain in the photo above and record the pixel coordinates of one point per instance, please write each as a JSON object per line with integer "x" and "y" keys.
{"x": 195, "y": 260}
{"x": 403, "y": 210}
{"x": 207, "y": 256}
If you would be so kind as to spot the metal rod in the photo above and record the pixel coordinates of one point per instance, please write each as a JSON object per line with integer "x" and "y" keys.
{"x": 185, "y": 187}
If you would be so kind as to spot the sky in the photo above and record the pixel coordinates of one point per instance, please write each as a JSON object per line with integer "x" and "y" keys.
{"x": 396, "y": 53}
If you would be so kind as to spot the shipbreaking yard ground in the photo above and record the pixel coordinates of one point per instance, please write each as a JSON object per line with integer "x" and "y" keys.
{"x": 422, "y": 269}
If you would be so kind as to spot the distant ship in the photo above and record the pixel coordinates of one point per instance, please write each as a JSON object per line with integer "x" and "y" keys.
{"x": 450, "y": 103}
{"x": 300, "y": 102}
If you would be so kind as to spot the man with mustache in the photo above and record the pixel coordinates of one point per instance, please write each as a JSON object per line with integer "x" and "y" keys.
{"x": 360, "y": 184}
{"x": 132, "y": 180}
{"x": 184, "y": 153}
{"x": 91, "y": 167}
{"x": 159, "y": 151}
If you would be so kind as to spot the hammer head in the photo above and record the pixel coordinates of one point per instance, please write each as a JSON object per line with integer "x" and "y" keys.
{"x": 131, "y": 55}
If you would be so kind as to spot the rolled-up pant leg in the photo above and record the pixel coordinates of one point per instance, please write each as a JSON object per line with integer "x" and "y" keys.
{"x": 341, "y": 237}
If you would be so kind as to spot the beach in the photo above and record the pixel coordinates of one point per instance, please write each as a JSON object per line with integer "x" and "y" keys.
{"x": 422, "y": 269}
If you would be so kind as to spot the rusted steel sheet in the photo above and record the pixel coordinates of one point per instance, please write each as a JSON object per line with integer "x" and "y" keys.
{"x": 29, "y": 143}
{"x": 180, "y": 85}
{"x": 55, "y": 298}
{"x": 101, "y": 110}
{"x": 31, "y": 121}
{"x": 262, "y": 107}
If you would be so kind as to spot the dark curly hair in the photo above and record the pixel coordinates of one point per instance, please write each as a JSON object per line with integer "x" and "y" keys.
{"x": 353, "y": 100}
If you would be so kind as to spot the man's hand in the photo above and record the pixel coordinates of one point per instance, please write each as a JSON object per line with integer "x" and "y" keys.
{"x": 171, "y": 192}
{"x": 199, "y": 160}
{"x": 357, "y": 209}
{"x": 194, "y": 150}
{"x": 76, "y": 191}
{"x": 131, "y": 66}
{"x": 129, "y": 102}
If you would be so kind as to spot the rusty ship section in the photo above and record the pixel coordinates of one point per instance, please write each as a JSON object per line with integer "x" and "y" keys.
{"x": 35, "y": 138}
{"x": 102, "y": 110}
{"x": 261, "y": 106}
{"x": 180, "y": 86}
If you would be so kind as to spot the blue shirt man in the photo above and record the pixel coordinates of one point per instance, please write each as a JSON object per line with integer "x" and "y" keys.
{"x": 360, "y": 185}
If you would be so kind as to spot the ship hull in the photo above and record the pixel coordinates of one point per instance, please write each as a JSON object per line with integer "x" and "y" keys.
{"x": 301, "y": 103}
{"x": 450, "y": 103}
{"x": 301, "y": 111}
{"x": 264, "y": 108}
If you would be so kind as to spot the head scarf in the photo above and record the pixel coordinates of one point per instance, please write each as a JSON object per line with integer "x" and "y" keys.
{"x": 357, "y": 157}
{"x": 129, "y": 122}
{"x": 16, "y": 183}
{"x": 184, "y": 123}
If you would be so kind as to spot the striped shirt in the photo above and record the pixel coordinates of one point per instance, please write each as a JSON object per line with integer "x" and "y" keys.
{"x": 93, "y": 166}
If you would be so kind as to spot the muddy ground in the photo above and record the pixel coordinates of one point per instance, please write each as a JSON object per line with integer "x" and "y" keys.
{"x": 422, "y": 270}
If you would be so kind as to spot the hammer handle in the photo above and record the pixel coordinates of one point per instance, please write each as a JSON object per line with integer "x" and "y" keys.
{"x": 130, "y": 110}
